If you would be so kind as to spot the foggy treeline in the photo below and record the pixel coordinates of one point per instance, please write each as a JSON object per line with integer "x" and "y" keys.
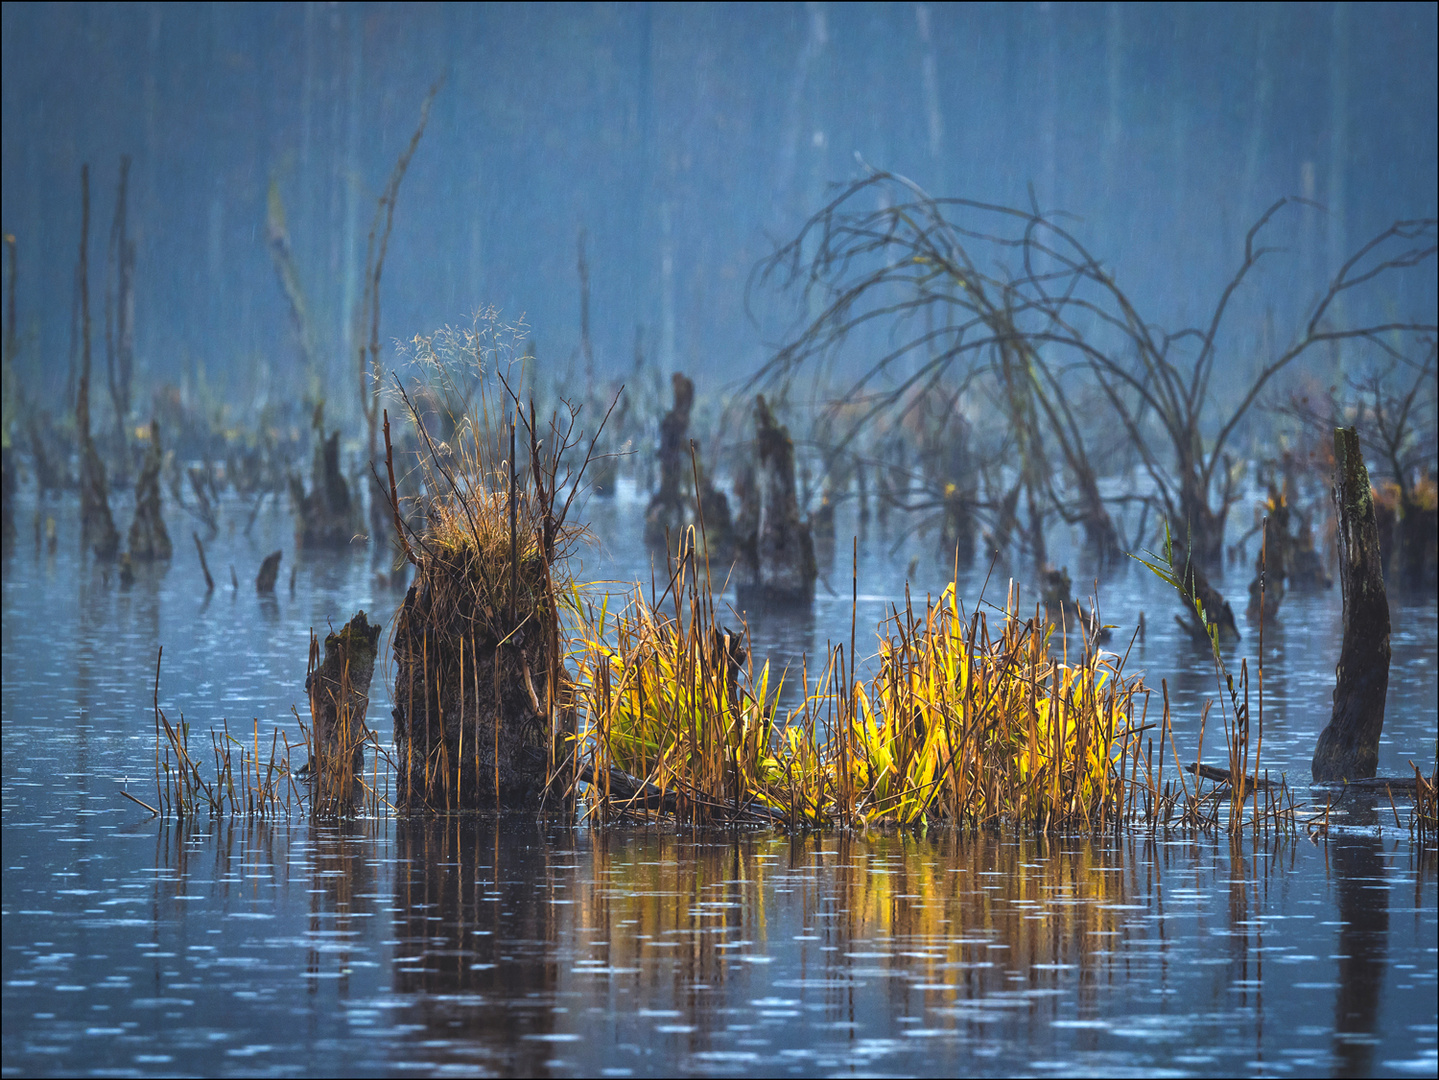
{"x": 687, "y": 142}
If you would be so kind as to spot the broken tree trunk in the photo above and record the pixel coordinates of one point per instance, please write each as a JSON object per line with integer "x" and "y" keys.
{"x": 339, "y": 693}
{"x": 1348, "y": 748}
{"x": 1195, "y": 585}
{"x": 148, "y": 536}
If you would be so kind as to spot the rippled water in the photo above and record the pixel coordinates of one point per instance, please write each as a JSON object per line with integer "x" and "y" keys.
{"x": 431, "y": 945}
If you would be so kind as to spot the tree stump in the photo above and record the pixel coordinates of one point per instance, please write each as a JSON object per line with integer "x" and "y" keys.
{"x": 325, "y": 517}
{"x": 269, "y": 572}
{"x": 676, "y": 505}
{"x": 781, "y": 553}
{"x": 1348, "y": 748}
{"x": 339, "y": 693}
{"x": 481, "y": 717}
{"x": 148, "y": 536}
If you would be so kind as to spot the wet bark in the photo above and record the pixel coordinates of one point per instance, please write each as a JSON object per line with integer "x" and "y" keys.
{"x": 148, "y": 536}
{"x": 1349, "y": 745}
{"x": 339, "y": 693}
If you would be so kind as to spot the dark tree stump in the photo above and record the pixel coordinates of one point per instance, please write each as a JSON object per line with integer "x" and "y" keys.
{"x": 1217, "y": 611}
{"x": 8, "y": 483}
{"x": 1348, "y": 748}
{"x": 269, "y": 572}
{"x": 339, "y": 692}
{"x": 326, "y": 516}
{"x": 676, "y": 505}
{"x": 781, "y": 553}
{"x": 148, "y": 536}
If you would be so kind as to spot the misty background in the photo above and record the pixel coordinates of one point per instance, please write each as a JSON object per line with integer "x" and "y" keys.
{"x": 686, "y": 141}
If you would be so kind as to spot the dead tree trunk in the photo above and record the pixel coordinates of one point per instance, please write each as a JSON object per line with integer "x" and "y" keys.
{"x": 97, "y": 526}
{"x": 148, "y": 536}
{"x": 1348, "y": 748}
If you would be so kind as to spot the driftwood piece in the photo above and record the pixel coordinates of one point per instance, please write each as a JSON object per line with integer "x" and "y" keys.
{"x": 148, "y": 536}
{"x": 1225, "y": 776}
{"x": 1348, "y": 748}
{"x": 339, "y": 693}
{"x": 269, "y": 573}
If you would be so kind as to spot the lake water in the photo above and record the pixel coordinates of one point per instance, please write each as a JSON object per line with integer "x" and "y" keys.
{"x": 425, "y": 945}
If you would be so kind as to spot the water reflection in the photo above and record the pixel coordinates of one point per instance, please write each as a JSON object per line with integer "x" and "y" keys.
{"x": 478, "y": 917}
{"x": 1363, "y": 894}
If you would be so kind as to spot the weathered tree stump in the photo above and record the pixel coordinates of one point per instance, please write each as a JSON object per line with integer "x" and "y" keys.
{"x": 1061, "y": 609}
{"x": 325, "y": 517}
{"x": 481, "y": 699}
{"x": 676, "y": 506}
{"x": 1217, "y": 612}
{"x": 339, "y": 693}
{"x": 269, "y": 573}
{"x": 8, "y": 482}
{"x": 1271, "y": 565}
{"x": 148, "y": 536}
{"x": 1349, "y": 746}
{"x": 780, "y": 553}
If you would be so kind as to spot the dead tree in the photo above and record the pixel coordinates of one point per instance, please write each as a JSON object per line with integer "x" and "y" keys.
{"x": 376, "y": 246}
{"x": 1052, "y": 300}
{"x": 1348, "y": 748}
{"x": 120, "y": 315}
{"x": 686, "y": 496}
{"x": 97, "y": 525}
{"x": 149, "y": 539}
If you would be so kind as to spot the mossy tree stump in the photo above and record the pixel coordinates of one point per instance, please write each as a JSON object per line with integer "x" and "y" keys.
{"x": 1348, "y": 747}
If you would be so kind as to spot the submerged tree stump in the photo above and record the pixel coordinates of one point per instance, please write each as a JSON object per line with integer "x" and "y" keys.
{"x": 8, "y": 482}
{"x": 676, "y": 505}
{"x": 1271, "y": 565}
{"x": 1348, "y": 748}
{"x": 780, "y": 551}
{"x": 269, "y": 573}
{"x": 148, "y": 536}
{"x": 325, "y": 517}
{"x": 339, "y": 693}
{"x": 1217, "y": 612}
